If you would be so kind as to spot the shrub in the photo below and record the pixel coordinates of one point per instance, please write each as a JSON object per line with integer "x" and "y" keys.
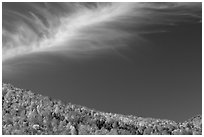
{"x": 165, "y": 132}
{"x": 186, "y": 131}
{"x": 148, "y": 131}
{"x": 73, "y": 130}
{"x": 84, "y": 130}
{"x": 102, "y": 131}
{"x": 176, "y": 132}
{"x": 123, "y": 132}
{"x": 113, "y": 132}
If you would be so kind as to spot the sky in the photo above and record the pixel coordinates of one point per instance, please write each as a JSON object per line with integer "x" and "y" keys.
{"x": 142, "y": 59}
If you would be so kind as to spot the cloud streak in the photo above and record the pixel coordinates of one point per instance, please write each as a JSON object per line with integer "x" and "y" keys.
{"x": 64, "y": 28}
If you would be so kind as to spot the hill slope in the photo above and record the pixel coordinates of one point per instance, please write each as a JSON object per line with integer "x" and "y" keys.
{"x": 27, "y": 113}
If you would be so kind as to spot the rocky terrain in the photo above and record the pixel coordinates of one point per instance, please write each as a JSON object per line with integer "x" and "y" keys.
{"x": 24, "y": 112}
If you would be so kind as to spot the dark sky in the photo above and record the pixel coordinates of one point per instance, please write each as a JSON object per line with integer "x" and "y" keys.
{"x": 157, "y": 74}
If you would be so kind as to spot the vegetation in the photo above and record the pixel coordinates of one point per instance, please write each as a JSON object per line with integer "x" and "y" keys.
{"x": 27, "y": 113}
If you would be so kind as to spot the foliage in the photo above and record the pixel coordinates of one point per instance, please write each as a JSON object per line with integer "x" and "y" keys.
{"x": 25, "y": 113}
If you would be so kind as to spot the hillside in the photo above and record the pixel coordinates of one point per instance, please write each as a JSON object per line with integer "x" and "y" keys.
{"x": 25, "y": 112}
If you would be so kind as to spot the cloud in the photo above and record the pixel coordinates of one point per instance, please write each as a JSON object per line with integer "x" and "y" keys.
{"x": 66, "y": 28}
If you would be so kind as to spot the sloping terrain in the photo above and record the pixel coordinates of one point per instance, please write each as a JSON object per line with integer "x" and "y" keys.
{"x": 24, "y": 112}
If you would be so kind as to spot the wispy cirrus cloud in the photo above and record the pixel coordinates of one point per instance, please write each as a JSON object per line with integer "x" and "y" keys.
{"x": 65, "y": 28}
